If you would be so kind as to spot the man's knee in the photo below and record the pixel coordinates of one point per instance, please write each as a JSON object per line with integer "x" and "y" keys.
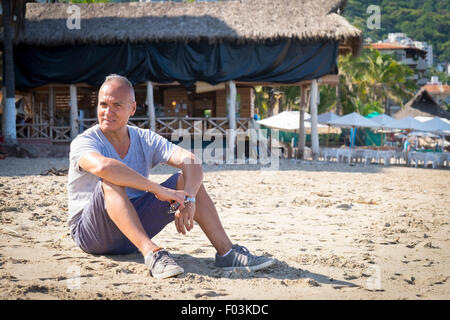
{"x": 180, "y": 182}
{"x": 109, "y": 188}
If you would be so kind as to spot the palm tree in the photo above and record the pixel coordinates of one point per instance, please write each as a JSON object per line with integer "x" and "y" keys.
{"x": 12, "y": 10}
{"x": 373, "y": 79}
{"x": 385, "y": 79}
{"x": 266, "y": 99}
{"x": 291, "y": 97}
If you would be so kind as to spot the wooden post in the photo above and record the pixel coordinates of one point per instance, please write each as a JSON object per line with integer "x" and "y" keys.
{"x": 9, "y": 111}
{"x": 51, "y": 106}
{"x": 231, "y": 102}
{"x": 301, "y": 133}
{"x": 3, "y": 110}
{"x": 74, "y": 127}
{"x": 252, "y": 103}
{"x": 313, "y": 109}
{"x": 40, "y": 113}
{"x": 151, "y": 107}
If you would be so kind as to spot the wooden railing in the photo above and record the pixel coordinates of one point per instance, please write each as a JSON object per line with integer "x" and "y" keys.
{"x": 60, "y": 134}
{"x": 165, "y": 126}
{"x": 43, "y": 131}
{"x": 33, "y": 131}
{"x": 86, "y": 123}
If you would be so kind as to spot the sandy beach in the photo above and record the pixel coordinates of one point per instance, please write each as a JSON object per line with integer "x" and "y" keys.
{"x": 336, "y": 232}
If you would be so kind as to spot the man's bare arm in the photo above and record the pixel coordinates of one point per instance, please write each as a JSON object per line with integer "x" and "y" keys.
{"x": 193, "y": 178}
{"x": 119, "y": 174}
{"x": 191, "y": 167}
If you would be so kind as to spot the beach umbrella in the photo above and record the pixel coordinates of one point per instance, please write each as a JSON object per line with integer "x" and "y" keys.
{"x": 326, "y": 117}
{"x": 286, "y": 121}
{"x": 422, "y": 118}
{"x": 439, "y": 125}
{"x": 410, "y": 124}
{"x": 354, "y": 120}
{"x": 385, "y": 121}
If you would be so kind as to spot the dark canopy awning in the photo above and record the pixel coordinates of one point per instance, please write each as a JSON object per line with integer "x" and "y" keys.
{"x": 280, "y": 61}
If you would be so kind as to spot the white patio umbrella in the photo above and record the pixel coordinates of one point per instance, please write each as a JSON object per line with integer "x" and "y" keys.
{"x": 409, "y": 123}
{"x": 354, "y": 120}
{"x": 286, "y": 121}
{"x": 385, "y": 121}
{"x": 423, "y": 119}
{"x": 439, "y": 125}
{"x": 326, "y": 117}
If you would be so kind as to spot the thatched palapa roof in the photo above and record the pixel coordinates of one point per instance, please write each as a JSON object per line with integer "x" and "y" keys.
{"x": 238, "y": 20}
{"x": 422, "y": 105}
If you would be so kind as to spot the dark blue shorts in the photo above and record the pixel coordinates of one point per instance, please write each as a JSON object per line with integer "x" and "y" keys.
{"x": 94, "y": 231}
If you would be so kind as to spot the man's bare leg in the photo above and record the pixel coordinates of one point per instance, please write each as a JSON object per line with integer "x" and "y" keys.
{"x": 208, "y": 219}
{"x": 125, "y": 217}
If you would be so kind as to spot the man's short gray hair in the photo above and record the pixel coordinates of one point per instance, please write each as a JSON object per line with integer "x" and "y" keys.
{"x": 124, "y": 80}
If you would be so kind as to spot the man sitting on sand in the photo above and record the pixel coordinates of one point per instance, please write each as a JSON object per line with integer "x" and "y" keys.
{"x": 114, "y": 208}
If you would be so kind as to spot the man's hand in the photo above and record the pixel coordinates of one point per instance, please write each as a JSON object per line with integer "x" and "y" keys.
{"x": 166, "y": 194}
{"x": 184, "y": 218}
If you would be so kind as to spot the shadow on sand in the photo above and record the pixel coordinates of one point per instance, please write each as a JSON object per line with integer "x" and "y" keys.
{"x": 205, "y": 267}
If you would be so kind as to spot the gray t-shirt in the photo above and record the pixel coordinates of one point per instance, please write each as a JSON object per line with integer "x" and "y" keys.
{"x": 147, "y": 149}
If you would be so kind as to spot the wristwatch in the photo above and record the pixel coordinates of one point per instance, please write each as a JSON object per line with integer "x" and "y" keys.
{"x": 189, "y": 199}
{"x": 173, "y": 206}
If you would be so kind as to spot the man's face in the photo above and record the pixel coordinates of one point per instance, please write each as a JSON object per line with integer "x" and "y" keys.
{"x": 115, "y": 106}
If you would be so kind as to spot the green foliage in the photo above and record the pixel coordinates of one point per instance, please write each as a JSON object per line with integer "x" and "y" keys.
{"x": 327, "y": 98}
{"x": 370, "y": 81}
{"x": 261, "y": 99}
{"x": 421, "y": 20}
{"x": 291, "y": 97}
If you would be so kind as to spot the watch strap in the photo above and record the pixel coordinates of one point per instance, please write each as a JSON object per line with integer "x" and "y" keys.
{"x": 189, "y": 199}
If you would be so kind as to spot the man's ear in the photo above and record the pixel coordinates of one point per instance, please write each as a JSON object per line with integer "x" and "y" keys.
{"x": 133, "y": 108}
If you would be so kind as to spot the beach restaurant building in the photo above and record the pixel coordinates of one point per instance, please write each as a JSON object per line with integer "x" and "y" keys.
{"x": 189, "y": 62}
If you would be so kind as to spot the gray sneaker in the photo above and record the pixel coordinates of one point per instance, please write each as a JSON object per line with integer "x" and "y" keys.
{"x": 241, "y": 259}
{"x": 161, "y": 265}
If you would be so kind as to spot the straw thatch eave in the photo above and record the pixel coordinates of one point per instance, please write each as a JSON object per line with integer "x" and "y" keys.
{"x": 241, "y": 21}
{"x": 422, "y": 105}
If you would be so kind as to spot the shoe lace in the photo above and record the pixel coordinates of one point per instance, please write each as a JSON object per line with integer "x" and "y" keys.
{"x": 241, "y": 249}
{"x": 162, "y": 257}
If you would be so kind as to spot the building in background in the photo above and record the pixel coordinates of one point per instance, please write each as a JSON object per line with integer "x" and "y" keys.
{"x": 192, "y": 64}
{"x": 439, "y": 91}
{"x": 417, "y": 55}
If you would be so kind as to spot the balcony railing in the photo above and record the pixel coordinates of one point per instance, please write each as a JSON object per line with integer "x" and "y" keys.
{"x": 165, "y": 126}
{"x": 43, "y": 131}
